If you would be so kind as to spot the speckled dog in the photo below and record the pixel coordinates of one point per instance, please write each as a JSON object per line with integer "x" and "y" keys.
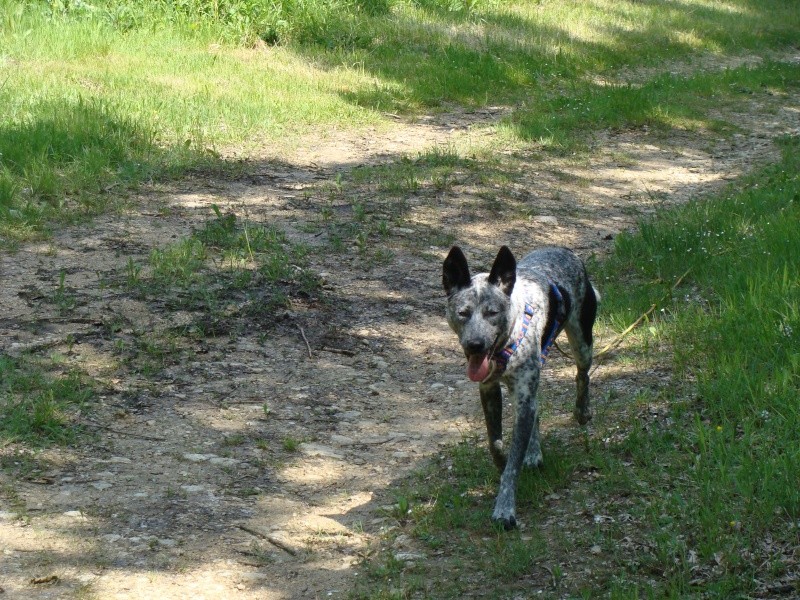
{"x": 506, "y": 321}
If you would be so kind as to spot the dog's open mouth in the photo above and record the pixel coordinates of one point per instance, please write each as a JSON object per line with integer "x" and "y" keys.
{"x": 478, "y": 367}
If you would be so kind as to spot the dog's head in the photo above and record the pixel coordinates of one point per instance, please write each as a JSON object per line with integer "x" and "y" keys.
{"x": 478, "y": 307}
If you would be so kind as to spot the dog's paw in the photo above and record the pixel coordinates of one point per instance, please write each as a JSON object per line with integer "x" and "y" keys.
{"x": 533, "y": 461}
{"x": 582, "y": 416}
{"x": 504, "y": 514}
{"x": 507, "y": 523}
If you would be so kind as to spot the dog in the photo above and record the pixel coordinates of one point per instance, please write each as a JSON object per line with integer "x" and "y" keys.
{"x": 506, "y": 321}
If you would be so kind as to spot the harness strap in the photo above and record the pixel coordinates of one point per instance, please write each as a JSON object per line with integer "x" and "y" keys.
{"x": 556, "y": 323}
{"x": 502, "y": 357}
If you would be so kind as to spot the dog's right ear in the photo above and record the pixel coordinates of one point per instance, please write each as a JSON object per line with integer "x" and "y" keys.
{"x": 455, "y": 272}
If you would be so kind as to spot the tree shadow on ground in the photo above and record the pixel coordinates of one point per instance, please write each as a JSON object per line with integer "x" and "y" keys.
{"x": 193, "y": 436}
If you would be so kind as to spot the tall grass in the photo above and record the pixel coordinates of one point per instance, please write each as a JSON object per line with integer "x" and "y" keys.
{"x": 59, "y": 158}
{"x": 735, "y": 330}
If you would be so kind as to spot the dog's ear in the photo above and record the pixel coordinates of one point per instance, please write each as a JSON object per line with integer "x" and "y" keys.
{"x": 504, "y": 271}
{"x": 455, "y": 272}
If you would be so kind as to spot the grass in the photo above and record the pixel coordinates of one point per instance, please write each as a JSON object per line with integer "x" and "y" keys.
{"x": 665, "y": 102}
{"x": 103, "y": 96}
{"x": 37, "y": 408}
{"x": 58, "y": 159}
{"x": 697, "y": 497}
{"x": 231, "y": 273}
{"x": 226, "y": 277}
{"x": 741, "y": 426}
{"x": 291, "y": 444}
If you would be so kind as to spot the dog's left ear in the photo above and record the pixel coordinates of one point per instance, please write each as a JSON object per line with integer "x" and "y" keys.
{"x": 504, "y": 271}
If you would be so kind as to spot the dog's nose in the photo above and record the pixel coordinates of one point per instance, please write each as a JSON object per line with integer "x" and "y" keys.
{"x": 474, "y": 347}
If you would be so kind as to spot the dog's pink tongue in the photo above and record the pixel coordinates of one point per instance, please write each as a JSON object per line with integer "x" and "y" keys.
{"x": 478, "y": 367}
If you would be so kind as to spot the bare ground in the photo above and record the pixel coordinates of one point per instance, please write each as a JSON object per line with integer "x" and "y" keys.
{"x": 173, "y": 497}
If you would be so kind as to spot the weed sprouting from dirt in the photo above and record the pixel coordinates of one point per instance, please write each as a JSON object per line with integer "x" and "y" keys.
{"x": 291, "y": 444}
{"x": 37, "y": 407}
{"x": 228, "y": 272}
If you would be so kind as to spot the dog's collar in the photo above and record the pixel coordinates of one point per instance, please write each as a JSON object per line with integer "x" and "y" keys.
{"x": 502, "y": 357}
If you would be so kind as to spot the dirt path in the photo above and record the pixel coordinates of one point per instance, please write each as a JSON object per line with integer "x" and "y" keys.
{"x": 192, "y": 487}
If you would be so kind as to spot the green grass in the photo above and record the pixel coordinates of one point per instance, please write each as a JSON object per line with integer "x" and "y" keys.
{"x": 703, "y": 477}
{"x": 60, "y": 158}
{"x": 734, "y": 329}
{"x": 98, "y": 97}
{"x": 665, "y": 102}
{"x": 37, "y": 408}
{"x": 291, "y": 444}
{"x": 231, "y": 273}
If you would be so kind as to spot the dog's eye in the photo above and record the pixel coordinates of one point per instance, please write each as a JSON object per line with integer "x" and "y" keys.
{"x": 489, "y": 312}
{"x": 465, "y": 313}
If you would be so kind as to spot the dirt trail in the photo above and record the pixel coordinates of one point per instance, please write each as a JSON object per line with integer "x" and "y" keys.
{"x": 174, "y": 499}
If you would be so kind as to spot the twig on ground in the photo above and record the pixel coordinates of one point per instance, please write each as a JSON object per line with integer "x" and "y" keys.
{"x": 245, "y": 401}
{"x": 618, "y": 340}
{"x": 338, "y": 351}
{"x": 564, "y": 354}
{"x": 270, "y": 538}
{"x": 305, "y": 339}
{"x": 150, "y": 438}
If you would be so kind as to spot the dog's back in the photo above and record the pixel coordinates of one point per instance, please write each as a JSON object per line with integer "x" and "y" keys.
{"x": 554, "y": 264}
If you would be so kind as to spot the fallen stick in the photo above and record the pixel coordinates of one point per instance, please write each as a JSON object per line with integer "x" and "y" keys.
{"x": 270, "y": 538}
{"x": 563, "y": 353}
{"x": 616, "y": 342}
{"x": 150, "y": 438}
{"x": 305, "y": 339}
{"x": 338, "y": 351}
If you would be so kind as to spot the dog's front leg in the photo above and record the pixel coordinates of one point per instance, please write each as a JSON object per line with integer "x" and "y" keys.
{"x": 533, "y": 456}
{"x": 492, "y": 401}
{"x": 523, "y": 392}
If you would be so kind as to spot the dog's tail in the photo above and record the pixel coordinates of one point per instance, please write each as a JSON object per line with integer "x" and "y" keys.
{"x": 597, "y": 295}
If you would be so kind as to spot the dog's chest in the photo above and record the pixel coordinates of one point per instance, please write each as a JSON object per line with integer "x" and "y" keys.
{"x": 529, "y": 308}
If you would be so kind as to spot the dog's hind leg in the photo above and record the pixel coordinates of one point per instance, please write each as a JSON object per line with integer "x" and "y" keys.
{"x": 579, "y": 333}
{"x": 492, "y": 401}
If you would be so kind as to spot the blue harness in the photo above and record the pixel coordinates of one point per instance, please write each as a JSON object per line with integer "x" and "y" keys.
{"x": 556, "y": 323}
{"x": 502, "y": 357}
